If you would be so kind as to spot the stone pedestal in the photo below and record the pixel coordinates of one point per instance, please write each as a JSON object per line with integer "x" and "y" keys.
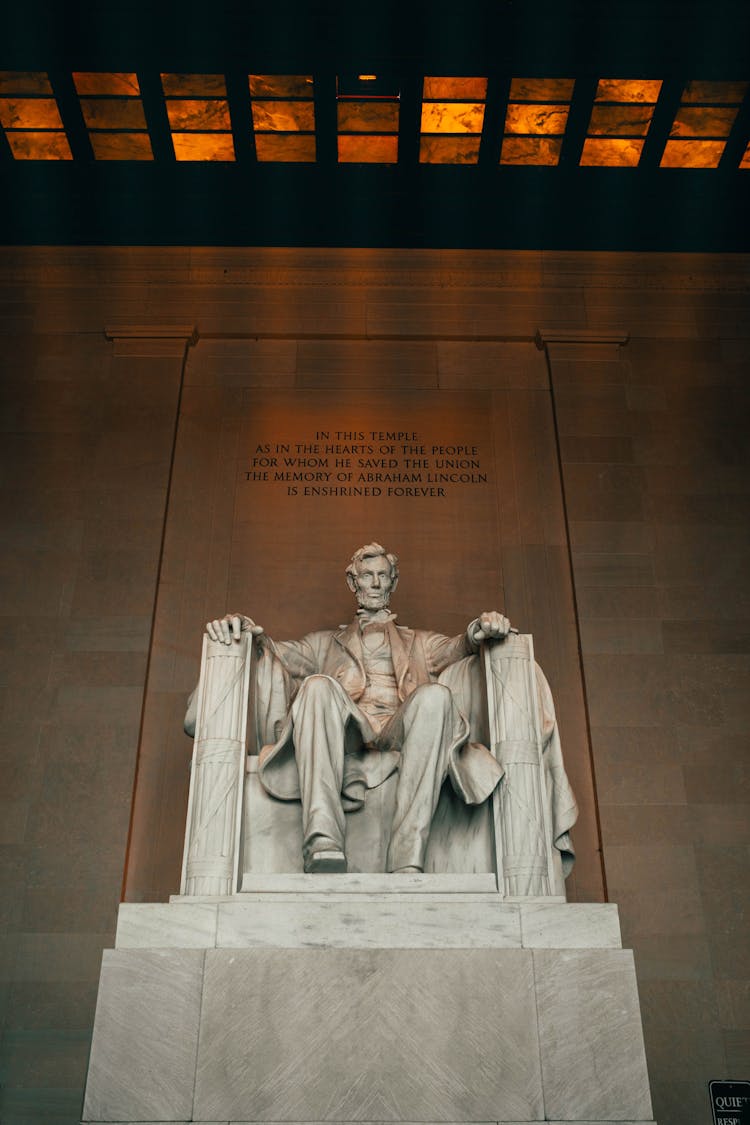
{"x": 371, "y": 998}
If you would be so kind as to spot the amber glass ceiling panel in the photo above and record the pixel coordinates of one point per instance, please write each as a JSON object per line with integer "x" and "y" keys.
{"x": 39, "y": 146}
{"x": 358, "y": 148}
{"x": 628, "y": 90}
{"x": 121, "y": 146}
{"x": 537, "y": 109}
{"x": 730, "y": 93}
{"x": 745, "y": 162}
{"x": 24, "y": 82}
{"x": 536, "y": 119}
{"x": 30, "y": 117}
{"x": 199, "y": 117}
{"x": 283, "y": 117}
{"x": 531, "y": 150}
{"x": 702, "y": 124}
{"x": 100, "y": 83}
{"x": 288, "y": 148}
{"x": 194, "y": 85}
{"x": 452, "y": 108}
{"x": 620, "y": 120}
{"x": 457, "y": 89}
{"x": 113, "y": 112}
{"x": 452, "y": 117}
{"x": 692, "y": 154}
{"x": 203, "y": 146}
{"x": 541, "y": 89}
{"x": 283, "y": 114}
{"x": 611, "y": 153}
{"x": 449, "y": 150}
{"x": 281, "y": 85}
{"x": 30, "y": 113}
{"x": 703, "y": 121}
{"x": 623, "y": 109}
{"x": 367, "y": 116}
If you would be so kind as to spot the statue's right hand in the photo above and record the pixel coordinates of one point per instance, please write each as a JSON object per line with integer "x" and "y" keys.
{"x": 230, "y": 628}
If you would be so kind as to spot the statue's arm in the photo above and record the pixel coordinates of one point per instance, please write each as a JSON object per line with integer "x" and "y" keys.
{"x": 444, "y": 651}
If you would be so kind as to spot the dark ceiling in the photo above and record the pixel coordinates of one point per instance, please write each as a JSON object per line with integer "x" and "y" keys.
{"x": 407, "y": 203}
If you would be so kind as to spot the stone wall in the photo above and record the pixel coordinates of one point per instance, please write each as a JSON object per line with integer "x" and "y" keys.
{"x": 650, "y": 492}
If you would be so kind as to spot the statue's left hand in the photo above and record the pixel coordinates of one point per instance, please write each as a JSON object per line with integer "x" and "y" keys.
{"x": 492, "y": 626}
{"x": 231, "y": 627}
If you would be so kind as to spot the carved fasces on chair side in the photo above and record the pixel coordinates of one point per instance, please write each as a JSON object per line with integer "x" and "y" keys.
{"x": 521, "y": 813}
{"x": 211, "y": 858}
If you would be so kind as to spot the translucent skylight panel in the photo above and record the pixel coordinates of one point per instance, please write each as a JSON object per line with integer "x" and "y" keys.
{"x": 24, "y": 82}
{"x": 194, "y": 85}
{"x": 30, "y": 113}
{"x": 39, "y": 145}
{"x": 703, "y": 121}
{"x": 283, "y": 112}
{"x": 30, "y": 117}
{"x": 452, "y": 120}
{"x": 121, "y": 146}
{"x": 199, "y": 117}
{"x": 535, "y": 120}
{"x": 745, "y": 161}
{"x": 452, "y": 117}
{"x": 702, "y": 124}
{"x": 541, "y": 89}
{"x": 284, "y": 117}
{"x": 611, "y": 153}
{"x": 363, "y": 149}
{"x": 289, "y": 148}
{"x": 203, "y": 146}
{"x": 113, "y": 112}
{"x": 367, "y": 116}
{"x": 730, "y": 93}
{"x": 125, "y": 84}
{"x": 531, "y": 150}
{"x": 692, "y": 154}
{"x": 458, "y": 89}
{"x": 281, "y": 85}
{"x": 628, "y": 90}
{"x": 449, "y": 150}
{"x": 620, "y": 120}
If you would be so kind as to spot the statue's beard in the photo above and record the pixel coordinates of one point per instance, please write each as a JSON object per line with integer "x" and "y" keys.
{"x": 374, "y": 600}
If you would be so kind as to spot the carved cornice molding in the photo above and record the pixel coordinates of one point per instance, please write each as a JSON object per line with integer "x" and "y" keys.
{"x": 543, "y": 337}
{"x": 187, "y": 332}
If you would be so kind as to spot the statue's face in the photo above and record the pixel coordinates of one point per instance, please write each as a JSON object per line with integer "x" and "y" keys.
{"x": 373, "y": 583}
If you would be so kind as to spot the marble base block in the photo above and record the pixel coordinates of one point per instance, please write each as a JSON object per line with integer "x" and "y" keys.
{"x": 368, "y": 1007}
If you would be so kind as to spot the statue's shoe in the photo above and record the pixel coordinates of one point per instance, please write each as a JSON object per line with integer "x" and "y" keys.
{"x": 328, "y": 863}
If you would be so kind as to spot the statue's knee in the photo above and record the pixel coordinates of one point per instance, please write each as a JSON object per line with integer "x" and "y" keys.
{"x": 315, "y": 686}
{"x": 434, "y": 696}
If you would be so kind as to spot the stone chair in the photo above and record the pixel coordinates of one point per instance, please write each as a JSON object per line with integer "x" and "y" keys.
{"x": 237, "y": 833}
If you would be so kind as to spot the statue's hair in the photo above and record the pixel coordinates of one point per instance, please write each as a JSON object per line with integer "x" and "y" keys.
{"x": 372, "y": 551}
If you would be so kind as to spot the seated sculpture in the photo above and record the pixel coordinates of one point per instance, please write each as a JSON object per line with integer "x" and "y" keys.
{"x": 343, "y": 710}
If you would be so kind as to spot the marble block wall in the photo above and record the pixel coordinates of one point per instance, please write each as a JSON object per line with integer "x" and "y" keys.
{"x": 655, "y": 472}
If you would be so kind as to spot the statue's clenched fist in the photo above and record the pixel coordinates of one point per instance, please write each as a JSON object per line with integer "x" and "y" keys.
{"x": 230, "y": 628}
{"x": 491, "y": 626}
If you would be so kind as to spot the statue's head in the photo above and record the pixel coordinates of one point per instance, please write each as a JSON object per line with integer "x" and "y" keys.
{"x": 372, "y": 576}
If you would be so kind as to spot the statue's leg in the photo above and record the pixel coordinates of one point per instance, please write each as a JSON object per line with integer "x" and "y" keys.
{"x": 426, "y": 726}
{"x": 319, "y": 715}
